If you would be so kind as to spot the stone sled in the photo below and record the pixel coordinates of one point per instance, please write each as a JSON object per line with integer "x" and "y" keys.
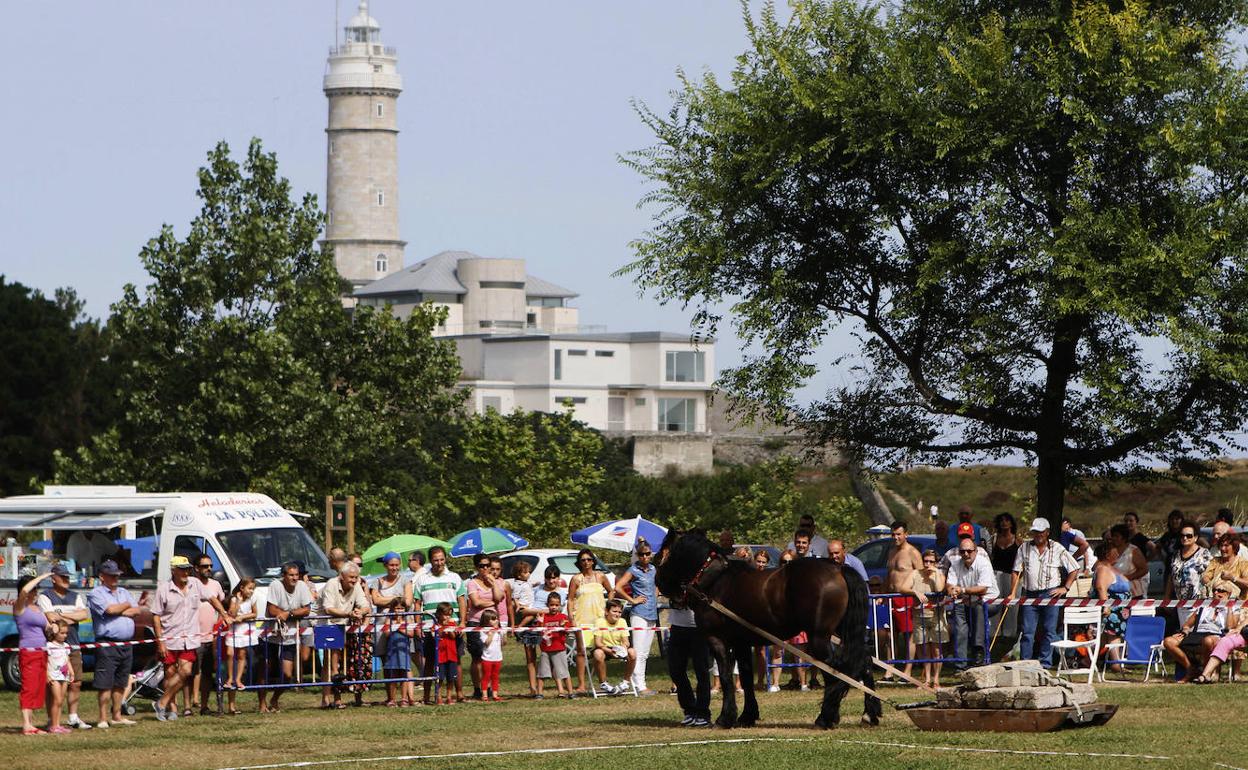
{"x": 1010, "y": 720}
{"x": 1017, "y": 697}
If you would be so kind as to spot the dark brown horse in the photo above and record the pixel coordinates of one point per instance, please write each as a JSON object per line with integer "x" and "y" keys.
{"x": 811, "y": 595}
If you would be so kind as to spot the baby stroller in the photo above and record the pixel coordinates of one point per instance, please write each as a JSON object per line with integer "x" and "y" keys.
{"x": 146, "y": 683}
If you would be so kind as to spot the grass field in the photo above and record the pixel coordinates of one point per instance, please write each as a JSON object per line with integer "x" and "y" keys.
{"x": 1189, "y": 726}
{"x": 990, "y": 489}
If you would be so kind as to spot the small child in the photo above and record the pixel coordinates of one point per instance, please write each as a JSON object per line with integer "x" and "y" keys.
{"x": 491, "y": 655}
{"x": 241, "y": 637}
{"x": 448, "y": 653}
{"x": 60, "y": 673}
{"x": 553, "y": 662}
{"x": 398, "y": 660}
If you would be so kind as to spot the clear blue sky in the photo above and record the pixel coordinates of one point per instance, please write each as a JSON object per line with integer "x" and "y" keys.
{"x": 512, "y": 117}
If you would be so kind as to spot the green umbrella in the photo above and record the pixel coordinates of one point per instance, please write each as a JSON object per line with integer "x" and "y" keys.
{"x": 400, "y": 544}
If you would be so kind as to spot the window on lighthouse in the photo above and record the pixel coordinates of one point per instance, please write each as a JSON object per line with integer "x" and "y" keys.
{"x": 381, "y": 198}
{"x": 383, "y": 264}
{"x": 380, "y": 109}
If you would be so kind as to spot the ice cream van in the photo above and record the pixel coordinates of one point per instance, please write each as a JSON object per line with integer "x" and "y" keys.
{"x": 246, "y": 535}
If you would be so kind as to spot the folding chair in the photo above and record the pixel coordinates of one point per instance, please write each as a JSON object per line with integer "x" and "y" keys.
{"x": 1141, "y": 645}
{"x": 1079, "y": 617}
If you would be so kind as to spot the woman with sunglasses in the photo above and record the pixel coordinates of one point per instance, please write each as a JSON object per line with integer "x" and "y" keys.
{"x": 587, "y": 601}
{"x": 484, "y": 593}
{"x": 1186, "y": 569}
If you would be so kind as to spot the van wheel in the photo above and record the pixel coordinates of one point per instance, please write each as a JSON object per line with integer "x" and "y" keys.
{"x": 11, "y": 668}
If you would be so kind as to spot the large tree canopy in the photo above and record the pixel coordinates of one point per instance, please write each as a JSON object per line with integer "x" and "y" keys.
{"x": 57, "y": 387}
{"x": 242, "y": 371}
{"x": 1032, "y": 213}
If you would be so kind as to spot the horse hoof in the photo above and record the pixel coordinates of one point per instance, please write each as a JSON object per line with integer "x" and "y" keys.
{"x": 823, "y": 725}
{"x": 870, "y": 721}
{"x": 746, "y": 722}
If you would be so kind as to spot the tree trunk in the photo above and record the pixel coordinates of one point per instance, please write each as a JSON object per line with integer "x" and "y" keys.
{"x": 866, "y": 491}
{"x": 1050, "y": 489}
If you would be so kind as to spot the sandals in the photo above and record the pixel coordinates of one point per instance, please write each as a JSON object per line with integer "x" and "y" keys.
{"x": 34, "y": 731}
{"x": 1202, "y": 679}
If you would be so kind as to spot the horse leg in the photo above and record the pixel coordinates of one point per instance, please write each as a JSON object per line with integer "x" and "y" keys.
{"x": 728, "y": 711}
{"x": 745, "y": 665}
{"x": 834, "y": 689}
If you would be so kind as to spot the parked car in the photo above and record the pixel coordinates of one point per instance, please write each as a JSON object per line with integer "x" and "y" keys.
{"x": 540, "y": 558}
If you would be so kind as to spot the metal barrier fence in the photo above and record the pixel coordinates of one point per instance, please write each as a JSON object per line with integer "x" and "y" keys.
{"x": 318, "y": 651}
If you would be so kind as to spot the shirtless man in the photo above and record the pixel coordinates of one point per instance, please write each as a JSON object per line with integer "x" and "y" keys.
{"x": 903, "y": 559}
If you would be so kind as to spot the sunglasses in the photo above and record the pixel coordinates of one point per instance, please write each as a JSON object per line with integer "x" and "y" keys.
{"x": 1188, "y": 536}
{"x": 206, "y": 566}
{"x": 586, "y": 561}
{"x": 645, "y": 553}
{"x": 960, "y": 550}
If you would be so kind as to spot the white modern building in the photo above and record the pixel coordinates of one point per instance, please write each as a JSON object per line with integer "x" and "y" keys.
{"x": 634, "y": 382}
{"x": 521, "y": 345}
{"x": 520, "y": 341}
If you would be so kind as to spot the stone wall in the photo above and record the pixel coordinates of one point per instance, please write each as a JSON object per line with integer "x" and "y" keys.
{"x": 684, "y": 453}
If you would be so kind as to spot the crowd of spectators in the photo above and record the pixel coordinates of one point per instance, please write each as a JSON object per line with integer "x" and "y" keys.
{"x": 420, "y": 622}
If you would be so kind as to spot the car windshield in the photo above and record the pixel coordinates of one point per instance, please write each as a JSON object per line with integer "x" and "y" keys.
{"x": 260, "y": 553}
{"x": 566, "y": 562}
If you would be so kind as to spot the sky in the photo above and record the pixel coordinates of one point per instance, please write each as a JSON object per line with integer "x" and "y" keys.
{"x": 511, "y": 120}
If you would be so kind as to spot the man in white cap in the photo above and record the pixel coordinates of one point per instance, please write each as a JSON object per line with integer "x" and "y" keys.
{"x": 1038, "y": 568}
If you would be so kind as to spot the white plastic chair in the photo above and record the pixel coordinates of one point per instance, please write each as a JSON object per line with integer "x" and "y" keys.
{"x": 1078, "y": 617}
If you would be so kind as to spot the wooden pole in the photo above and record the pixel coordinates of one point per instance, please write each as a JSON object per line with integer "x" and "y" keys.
{"x": 329, "y": 523}
{"x": 350, "y": 523}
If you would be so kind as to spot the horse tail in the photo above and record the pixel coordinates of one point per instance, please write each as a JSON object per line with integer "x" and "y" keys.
{"x": 853, "y": 633}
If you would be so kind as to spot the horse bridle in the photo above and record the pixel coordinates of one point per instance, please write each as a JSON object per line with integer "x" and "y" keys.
{"x": 691, "y": 586}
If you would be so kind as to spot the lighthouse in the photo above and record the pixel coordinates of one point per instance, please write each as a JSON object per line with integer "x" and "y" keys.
{"x": 362, "y": 85}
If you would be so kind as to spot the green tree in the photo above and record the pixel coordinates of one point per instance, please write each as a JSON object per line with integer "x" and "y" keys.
{"x": 532, "y": 473}
{"x": 1031, "y": 214}
{"x": 57, "y": 388}
{"x": 242, "y": 371}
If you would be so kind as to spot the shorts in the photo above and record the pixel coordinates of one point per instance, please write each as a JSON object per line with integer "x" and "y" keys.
{"x": 173, "y": 656}
{"x": 205, "y": 659}
{"x": 476, "y": 645}
{"x": 529, "y": 638}
{"x": 931, "y": 630}
{"x": 34, "y": 665}
{"x": 274, "y": 654}
{"x": 1195, "y": 640}
{"x": 903, "y": 614}
{"x": 553, "y": 665}
{"x": 112, "y": 667}
{"x": 450, "y": 672}
{"x": 75, "y": 664}
{"x": 618, "y": 652}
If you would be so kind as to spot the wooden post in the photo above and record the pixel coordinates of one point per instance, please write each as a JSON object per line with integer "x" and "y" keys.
{"x": 329, "y": 523}
{"x": 350, "y": 523}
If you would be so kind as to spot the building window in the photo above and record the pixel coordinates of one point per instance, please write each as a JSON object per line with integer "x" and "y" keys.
{"x": 530, "y": 319}
{"x": 574, "y": 399}
{"x": 578, "y": 352}
{"x": 331, "y": 146}
{"x": 604, "y": 353}
{"x": 686, "y": 366}
{"x": 678, "y": 414}
{"x": 532, "y": 301}
{"x": 329, "y": 217}
{"x": 377, "y": 68}
{"x": 383, "y": 264}
{"x": 492, "y": 402}
{"x": 381, "y": 198}
{"x": 639, "y": 402}
{"x": 558, "y": 364}
{"x": 381, "y": 109}
{"x": 500, "y": 324}
{"x": 501, "y": 284}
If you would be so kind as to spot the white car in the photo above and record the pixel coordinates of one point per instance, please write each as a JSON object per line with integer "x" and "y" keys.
{"x": 540, "y": 558}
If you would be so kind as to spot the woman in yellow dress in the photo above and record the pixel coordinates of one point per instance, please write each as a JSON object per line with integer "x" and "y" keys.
{"x": 587, "y": 601}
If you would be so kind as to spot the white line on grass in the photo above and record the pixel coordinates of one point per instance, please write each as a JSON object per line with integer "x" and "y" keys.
{"x": 1232, "y": 767}
{"x": 557, "y": 750}
{"x": 999, "y": 751}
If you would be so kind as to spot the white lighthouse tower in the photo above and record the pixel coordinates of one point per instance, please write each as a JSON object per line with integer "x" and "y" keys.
{"x": 362, "y": 85}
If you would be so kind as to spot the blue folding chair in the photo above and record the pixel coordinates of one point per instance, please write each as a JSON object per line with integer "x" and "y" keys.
{"x": 1142, "y": 645}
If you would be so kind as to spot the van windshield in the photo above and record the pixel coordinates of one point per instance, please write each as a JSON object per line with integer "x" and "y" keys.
{"x": 260, "y": 553}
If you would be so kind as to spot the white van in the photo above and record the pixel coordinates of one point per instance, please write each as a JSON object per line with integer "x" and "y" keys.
{"x": 246, "y": 534}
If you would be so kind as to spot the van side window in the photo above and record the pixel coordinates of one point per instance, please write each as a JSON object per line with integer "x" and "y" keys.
{"x": 191, "y": 547}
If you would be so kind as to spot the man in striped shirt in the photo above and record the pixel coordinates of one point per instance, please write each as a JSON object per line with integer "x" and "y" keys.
{"x": 430, "y": 588}
{"x": 1038, "y": 567}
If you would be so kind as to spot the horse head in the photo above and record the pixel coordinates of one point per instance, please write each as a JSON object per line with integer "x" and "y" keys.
{"x": 682, "y": 557}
